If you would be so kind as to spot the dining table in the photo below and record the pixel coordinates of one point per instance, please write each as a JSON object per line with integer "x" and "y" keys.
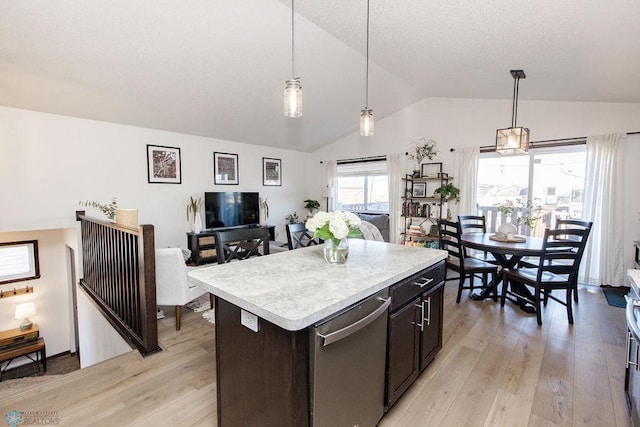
{"x": 508, "y": 253}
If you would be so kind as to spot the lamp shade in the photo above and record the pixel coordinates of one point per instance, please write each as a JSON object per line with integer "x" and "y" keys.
{"x": 366, "y": 122}
{"x": 514, "y": 140}
{"x": 26, "y": 309}
{"x": 293, "y": 98}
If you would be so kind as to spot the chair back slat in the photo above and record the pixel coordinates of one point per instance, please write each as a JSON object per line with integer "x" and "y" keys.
{"x": 241, "y": 243}
{"x": 472, "y": 223}
{"x": 299, "y": 237}
{"x": 565, "y": 245}
{"x": 449, "y": 238}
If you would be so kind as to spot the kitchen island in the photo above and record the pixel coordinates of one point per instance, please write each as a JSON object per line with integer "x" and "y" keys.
{"x": 267, "y": 312}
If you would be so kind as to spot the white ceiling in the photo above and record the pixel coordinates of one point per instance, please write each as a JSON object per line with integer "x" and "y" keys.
{"x": 217, "y": 68}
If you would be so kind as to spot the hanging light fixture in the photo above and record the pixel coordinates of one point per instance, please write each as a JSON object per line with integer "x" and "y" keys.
{"x": 293, "y": 87}
{"x": 366, "y": 115}
{"x": 513, "y": 140}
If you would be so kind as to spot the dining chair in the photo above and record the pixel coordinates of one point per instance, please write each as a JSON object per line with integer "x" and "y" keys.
{"x": 564, "y": 246}
{"x": 475, "y": 224}
{"x": 241, "y": 243}
{"x": 172, "y": 285}
{"x": 560, "y": 266}
{"x": 299, "y": 237}
{"x": 466, "y": 267}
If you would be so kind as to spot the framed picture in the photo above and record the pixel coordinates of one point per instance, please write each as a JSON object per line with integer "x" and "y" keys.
{"x": 419, "y": 189}
{"x": 225, "y": 168}
{"x": 430, "y": 170}
{"x": 163, "y": 165}
{"x": 271, "y": 171}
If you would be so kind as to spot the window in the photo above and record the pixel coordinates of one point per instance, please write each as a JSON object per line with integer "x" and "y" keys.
{"x": 554, "y": 175}
{"x": 19, "y": 261}
{"x": 363, "y": 186}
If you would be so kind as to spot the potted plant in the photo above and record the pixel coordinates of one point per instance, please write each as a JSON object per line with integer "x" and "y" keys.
{"x": 109, "y": 209}
{"x": 293, "y": 218}
{"x": 422, "y": 149}
{"x": 311, "y": 205}
{"x": 448, "y": 192}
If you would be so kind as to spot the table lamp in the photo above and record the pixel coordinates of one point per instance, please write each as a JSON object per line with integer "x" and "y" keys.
{"x": 23, "y": 311}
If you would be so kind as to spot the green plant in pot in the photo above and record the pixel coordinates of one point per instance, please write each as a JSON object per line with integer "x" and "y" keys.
{"x": 311, "y": 205}
{"x": 293, "y": 218}
{"x": 449, "y": 193}
{"x": 422, "y": 149}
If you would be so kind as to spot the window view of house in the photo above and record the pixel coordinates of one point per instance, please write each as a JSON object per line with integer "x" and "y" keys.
{"x": 556, "y": 180}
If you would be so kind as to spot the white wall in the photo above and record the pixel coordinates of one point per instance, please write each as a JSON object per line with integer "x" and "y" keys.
{"x": 53, "y": 162}
{"x": 49, "y": 163}
{"x": 456, "y": 123}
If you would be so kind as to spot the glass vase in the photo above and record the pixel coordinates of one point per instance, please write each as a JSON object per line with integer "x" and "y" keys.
{"x": 336, "y": 251}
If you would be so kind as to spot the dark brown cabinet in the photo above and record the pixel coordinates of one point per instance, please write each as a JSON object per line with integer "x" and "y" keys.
{"x": 203, "y": 246}
{"x": 415, "y": 329}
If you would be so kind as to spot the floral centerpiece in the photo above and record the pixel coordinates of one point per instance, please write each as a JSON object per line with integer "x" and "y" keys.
{"x": 526, "y": 213}
{"x": 335, "y": 228}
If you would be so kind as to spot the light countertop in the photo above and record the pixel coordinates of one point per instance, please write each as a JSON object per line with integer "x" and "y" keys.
{"x": 295, "y": 289}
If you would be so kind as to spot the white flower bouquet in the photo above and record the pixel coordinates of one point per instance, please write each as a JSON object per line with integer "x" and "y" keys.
{"x": 334, "y": 226}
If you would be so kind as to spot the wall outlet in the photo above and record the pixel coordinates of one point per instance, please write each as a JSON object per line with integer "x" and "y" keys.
{"x": 249, "y": 320}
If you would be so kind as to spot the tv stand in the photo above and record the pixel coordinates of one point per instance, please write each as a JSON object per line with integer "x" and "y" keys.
{"x": 203, "y": 245}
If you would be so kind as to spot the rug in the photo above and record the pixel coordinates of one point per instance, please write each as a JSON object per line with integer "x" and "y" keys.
{"x": 210, "y": 315}
{"x": 615, "y": 295}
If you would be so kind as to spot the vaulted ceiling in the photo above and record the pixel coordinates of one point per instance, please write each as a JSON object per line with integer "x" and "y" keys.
{"x": 217, "y": 68}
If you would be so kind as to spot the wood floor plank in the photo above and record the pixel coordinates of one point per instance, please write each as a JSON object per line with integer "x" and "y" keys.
{"x": 497, "y": 368}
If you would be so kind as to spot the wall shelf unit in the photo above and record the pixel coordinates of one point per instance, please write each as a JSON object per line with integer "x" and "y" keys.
{"x": 421, "y": 206}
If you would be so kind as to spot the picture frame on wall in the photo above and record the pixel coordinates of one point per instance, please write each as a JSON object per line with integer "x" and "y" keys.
{"x": 430, "y": 170}
{"x": 419, "y": 189}
{"x": 163, "y": 165}
{"x": 271, "y": 172}
{"x": 225, "y": 168}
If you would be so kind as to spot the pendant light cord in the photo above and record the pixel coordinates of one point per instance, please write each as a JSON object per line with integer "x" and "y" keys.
{"x": 293, "y": 72}
{"x": 514, "y": 107}
{"x": 366, "y": 104}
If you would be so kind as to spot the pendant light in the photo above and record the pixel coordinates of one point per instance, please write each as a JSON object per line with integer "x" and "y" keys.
{"x": 366, "y": 115}
{"x": 514, "y": 139}
{"x": 293, "y": 87}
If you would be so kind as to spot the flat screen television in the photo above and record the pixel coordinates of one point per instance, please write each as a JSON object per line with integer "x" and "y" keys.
{"x": 231, "y": 209}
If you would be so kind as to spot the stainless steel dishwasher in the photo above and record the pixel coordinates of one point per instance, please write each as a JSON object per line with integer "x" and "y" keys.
{"x": 347, "y": 370}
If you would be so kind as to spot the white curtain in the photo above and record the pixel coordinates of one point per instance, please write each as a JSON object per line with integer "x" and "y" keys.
{"x": 331, "y": 184}
{"x": 603, "y": 261}
{"x": 396, "y": 166}
{"x": 465, "y": 177}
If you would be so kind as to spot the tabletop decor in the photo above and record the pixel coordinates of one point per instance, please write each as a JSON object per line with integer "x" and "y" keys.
{"x": 335, "y": 228}
{"x": 526, "y": 213}
{"x": 193, "y": 210}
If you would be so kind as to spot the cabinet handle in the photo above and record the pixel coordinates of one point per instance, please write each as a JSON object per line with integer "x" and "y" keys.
{"x": 428, "y": 319}
{"x": 421, "y": 306}
{"x": 424, "y": 283}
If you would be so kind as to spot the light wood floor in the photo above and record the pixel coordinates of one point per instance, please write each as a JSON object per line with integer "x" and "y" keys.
{"x": 497, "y": 368}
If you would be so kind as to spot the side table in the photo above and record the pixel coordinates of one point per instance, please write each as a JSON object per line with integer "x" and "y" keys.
{"x": 16, "y": 343}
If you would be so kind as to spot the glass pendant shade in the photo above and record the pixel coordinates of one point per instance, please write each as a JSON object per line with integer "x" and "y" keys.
{"x": 293, "y": 98}
{"x": 512, "y": 141}
{"x": 366, "y": 122}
